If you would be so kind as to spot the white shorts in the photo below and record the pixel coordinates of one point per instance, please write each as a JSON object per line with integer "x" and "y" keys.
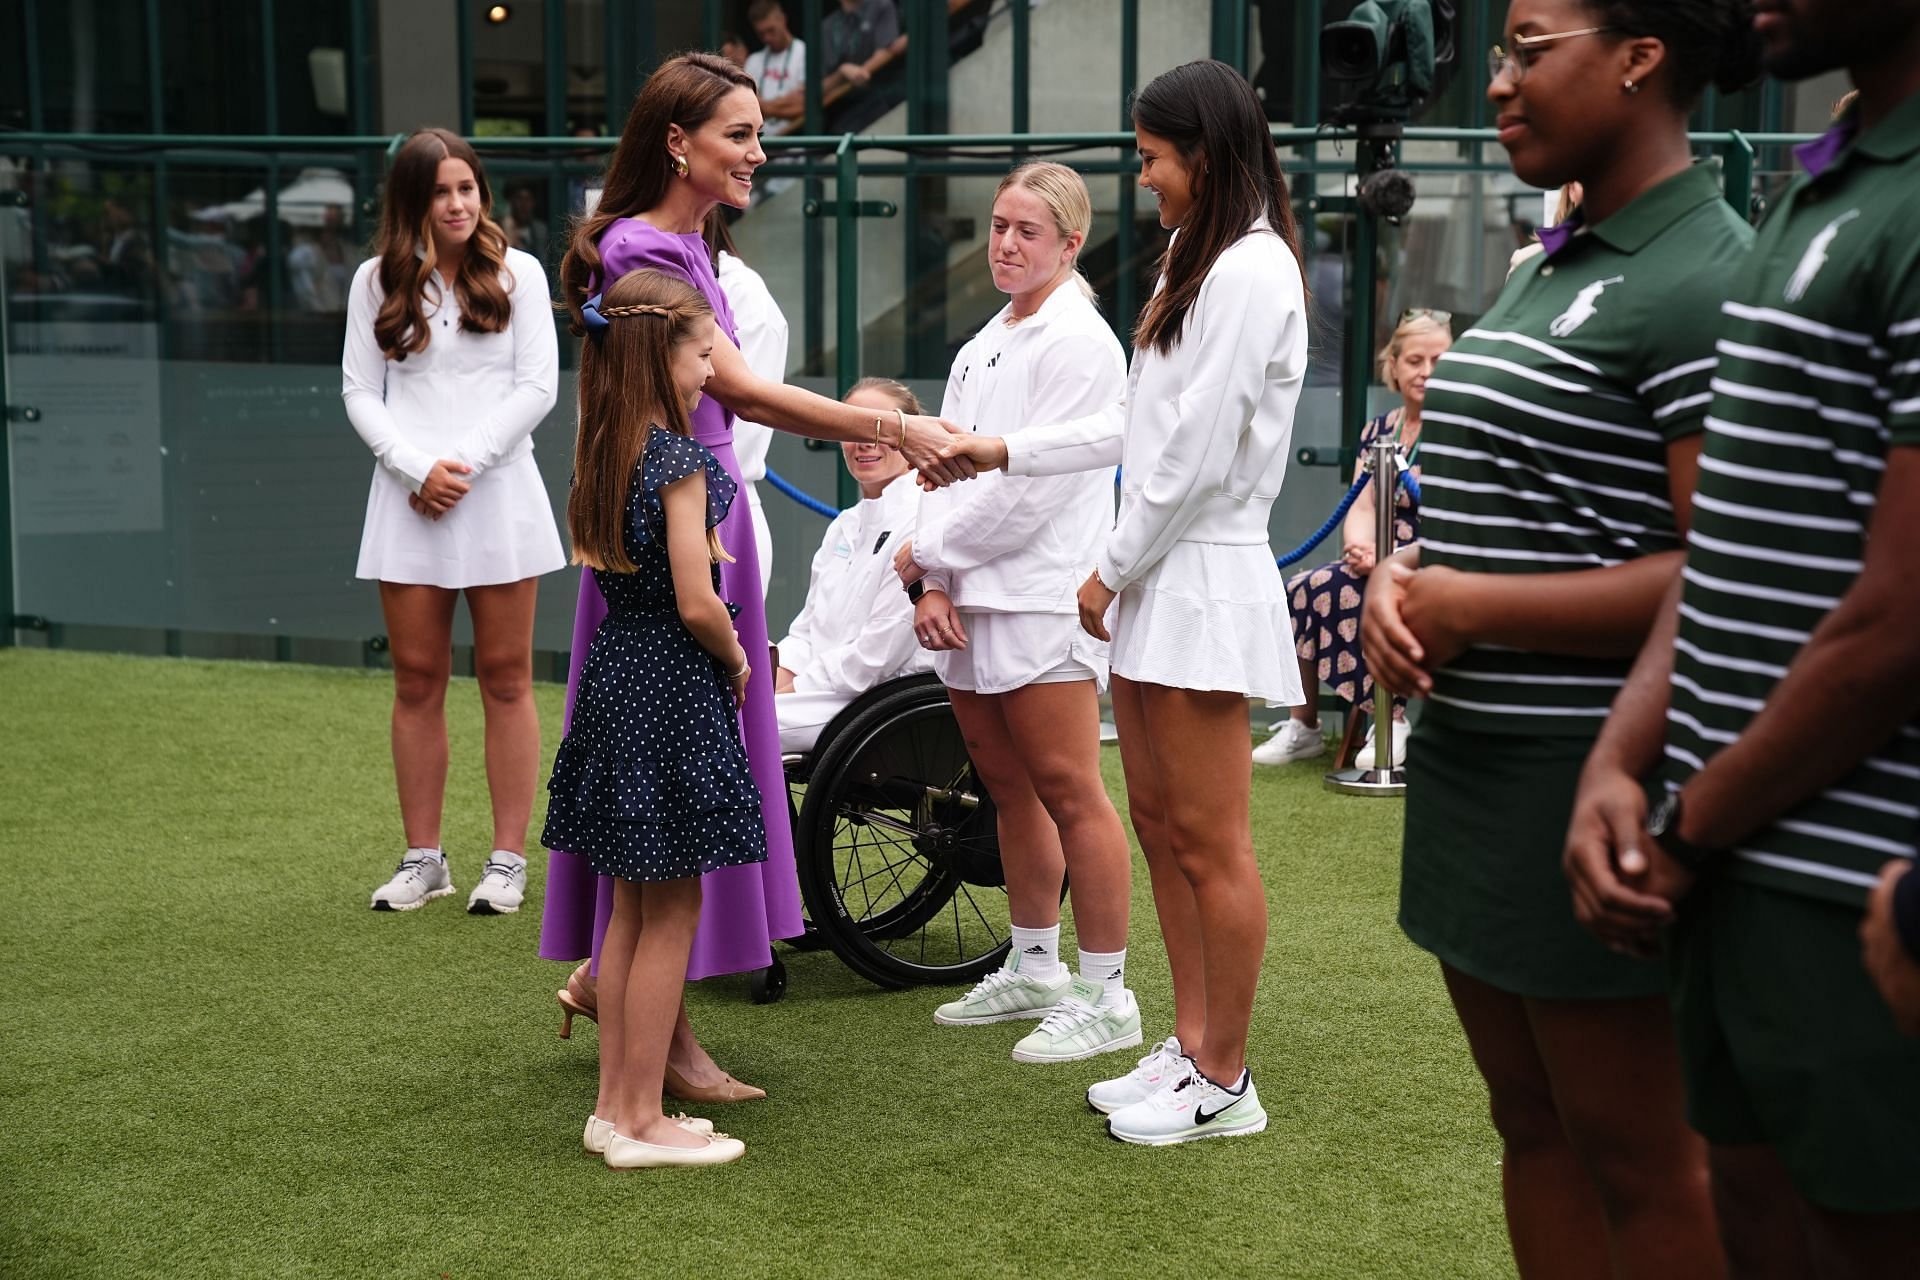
{"x": 1007, "y": 651}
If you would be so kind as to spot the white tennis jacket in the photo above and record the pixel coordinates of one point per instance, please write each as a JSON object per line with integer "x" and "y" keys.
{"x": 1203, "y": 435}
{"x": 1021, "y": 544}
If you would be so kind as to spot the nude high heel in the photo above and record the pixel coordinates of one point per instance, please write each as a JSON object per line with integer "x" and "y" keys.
{"x": 579, "y": 997}
{"x": 728, "y": 1090}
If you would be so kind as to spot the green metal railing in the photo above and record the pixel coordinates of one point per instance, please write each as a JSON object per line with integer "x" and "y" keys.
{"x": 846, "y": 160}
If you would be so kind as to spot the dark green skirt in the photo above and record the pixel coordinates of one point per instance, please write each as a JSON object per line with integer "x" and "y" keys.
{"x": 1480, "y": 880}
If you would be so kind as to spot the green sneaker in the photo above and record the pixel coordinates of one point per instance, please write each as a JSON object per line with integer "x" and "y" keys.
{"x": 1080, "y": 1027}
{"x": 1004, "y": 996}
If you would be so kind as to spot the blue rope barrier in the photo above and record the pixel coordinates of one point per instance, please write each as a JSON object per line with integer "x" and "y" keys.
{"x": 1345, "y": 505}
{"x": 1413, "y": 485}
{"x": 800, "y": 496}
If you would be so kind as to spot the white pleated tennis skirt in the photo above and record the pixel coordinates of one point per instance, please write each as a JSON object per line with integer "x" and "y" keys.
{"x": 1209, "y": 616}
{"x": 502, "y": 531}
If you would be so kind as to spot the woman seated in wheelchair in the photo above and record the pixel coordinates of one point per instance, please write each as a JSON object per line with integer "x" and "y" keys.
{"x": 856, "y": 629}
{"x": 996, "y": 563}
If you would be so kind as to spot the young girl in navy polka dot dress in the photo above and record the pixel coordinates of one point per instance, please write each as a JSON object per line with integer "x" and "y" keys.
{"x": 651, "y": 784}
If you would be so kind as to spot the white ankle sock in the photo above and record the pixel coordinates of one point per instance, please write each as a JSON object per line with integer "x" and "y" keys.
{"x": 419, "y": 852}
{"x": 1036, "y": 953}
{"x": 507, "y": 856}
{"x": 1106, "y": 970}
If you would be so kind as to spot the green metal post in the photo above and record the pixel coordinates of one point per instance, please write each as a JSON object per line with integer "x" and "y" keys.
{"x": 813, "y": 283}
{"x": 463, "y": 36}
{"x": 36, "y": 106}
{"x": 1739, "y": 174}
{"x": 1022, "y": 64}
{"x": 846, "y": 251}
{"x": 926, "y": 207}
{"x": 1230, "y": 33}
{"x": 269, "y": 72}
{"x": 553, "y": 45}
{"x": 1125, "y": 292}
{"x": 709, "y": 26}
{"x": 360, "y": 103}
{"x": 8, "y": 605}
{"x": 1307, "y": 18}
{"x": 555, "y": 49}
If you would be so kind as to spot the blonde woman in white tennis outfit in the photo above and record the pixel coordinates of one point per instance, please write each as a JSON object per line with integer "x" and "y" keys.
{"x": 998, "y": 561}
{"x": 450, "y": 362}
{"x": 1185, "y": 579}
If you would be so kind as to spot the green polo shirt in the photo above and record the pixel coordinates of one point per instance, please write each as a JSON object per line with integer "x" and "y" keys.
{"x": 1819, "y": 379}
{"x": 1547, "y": 425}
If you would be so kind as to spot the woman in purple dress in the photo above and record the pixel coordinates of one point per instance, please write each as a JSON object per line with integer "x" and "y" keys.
{"x": 691, "y": 142}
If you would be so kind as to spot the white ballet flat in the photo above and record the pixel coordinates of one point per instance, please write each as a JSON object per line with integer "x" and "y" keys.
{"x": 631, "y": 1153}
{"x": 599, "y": 1131}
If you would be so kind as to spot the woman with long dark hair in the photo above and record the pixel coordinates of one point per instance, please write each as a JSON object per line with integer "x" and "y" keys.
{"x": 1184, "y": 585}
{"x": 691, "y": 142}
{"x": 450, "y": 363}
{"x": 1562, "y": 439}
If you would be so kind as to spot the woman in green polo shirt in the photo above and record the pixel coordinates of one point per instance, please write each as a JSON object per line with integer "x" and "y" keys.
{"x": 1561, "y": 438}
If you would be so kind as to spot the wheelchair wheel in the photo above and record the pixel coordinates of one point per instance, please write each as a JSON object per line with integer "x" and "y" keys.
{"x": 899, "y": 852}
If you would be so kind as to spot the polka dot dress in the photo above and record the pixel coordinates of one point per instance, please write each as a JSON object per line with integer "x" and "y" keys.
{"x": 651, "y": 782}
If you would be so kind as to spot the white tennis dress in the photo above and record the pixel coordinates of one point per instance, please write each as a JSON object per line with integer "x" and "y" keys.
{"x": 1202, "y": 442}
{"x": 469, "y": 397}
{"x": 762, "y": 330}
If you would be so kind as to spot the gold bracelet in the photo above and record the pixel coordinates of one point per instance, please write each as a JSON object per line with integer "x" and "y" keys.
{"x": 902, "y": 415}
{"x": 876, "y": 426}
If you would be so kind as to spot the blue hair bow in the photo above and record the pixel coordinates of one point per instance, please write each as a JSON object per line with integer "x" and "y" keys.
{"x": 591, "y": 317}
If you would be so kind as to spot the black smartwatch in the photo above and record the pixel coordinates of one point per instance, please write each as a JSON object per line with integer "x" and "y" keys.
{"x": 915, "y": 590}
{"x": 1663, "y": 824}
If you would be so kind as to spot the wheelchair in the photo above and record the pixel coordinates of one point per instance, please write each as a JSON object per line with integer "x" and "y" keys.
{"x": 896, "y": 844}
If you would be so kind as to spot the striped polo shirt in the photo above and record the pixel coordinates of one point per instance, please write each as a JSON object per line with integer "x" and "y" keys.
{"x": 1547, "y": 425}
{"x": 1819, "y": 377}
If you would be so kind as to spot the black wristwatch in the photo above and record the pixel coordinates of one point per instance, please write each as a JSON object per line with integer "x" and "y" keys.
{"x": 915, "y": 590}
{"x": 1663, "y": 824}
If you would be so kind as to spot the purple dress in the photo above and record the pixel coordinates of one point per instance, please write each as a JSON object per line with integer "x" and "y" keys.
{"x": 743, "y": 908}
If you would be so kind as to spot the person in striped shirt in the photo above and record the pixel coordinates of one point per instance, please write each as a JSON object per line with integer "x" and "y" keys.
{"x": 1775, "y": 712}
{"x": 1560, "y": 437}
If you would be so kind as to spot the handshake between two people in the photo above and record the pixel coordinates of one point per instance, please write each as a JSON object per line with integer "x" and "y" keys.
{"x": 960, "y": 456}
{"x": 943, "y": 453}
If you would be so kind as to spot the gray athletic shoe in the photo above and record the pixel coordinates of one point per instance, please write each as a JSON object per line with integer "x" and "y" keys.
{"x": 421, "y": 877}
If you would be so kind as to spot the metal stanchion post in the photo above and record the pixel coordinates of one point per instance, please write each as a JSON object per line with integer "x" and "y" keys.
{"x": 1387, "y": 777}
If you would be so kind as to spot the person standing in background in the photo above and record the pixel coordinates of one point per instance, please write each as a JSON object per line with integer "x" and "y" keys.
{"x": 779, "y": 68}
{"x": 450, "y": 362}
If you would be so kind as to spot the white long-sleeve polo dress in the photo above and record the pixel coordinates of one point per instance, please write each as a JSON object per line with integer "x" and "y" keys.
{"x": 470, "y": 397}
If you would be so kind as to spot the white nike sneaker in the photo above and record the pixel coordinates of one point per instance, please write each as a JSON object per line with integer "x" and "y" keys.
{"x": 1109, "y": 1096}
{"x": 1188, "y": 1108}
{"x": 1081, "y": 1027}
{"x": 1293, "y": 740}
{"x": 1004, "y": 996}
{"x": 502, "y": 887}
{"x": 421, "y": 877}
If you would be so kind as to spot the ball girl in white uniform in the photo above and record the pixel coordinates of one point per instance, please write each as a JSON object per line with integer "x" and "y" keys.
{"x": 995, "y": 564}
{"x": 450, "y": 363}
{"x": 1185, "y": 580}
{"x": 855, "y": 630}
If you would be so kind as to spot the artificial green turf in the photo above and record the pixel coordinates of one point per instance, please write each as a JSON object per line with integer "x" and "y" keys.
{"x": 219, "y": 1062}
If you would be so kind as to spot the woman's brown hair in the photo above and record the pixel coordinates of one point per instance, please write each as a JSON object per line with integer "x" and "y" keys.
{"x": 406, "y": 230}
{"x": 626, "y": 389}
{"x": 898, "y": 392}
{"x": 1209, "y": 112}
{"x": 685, "y": 91}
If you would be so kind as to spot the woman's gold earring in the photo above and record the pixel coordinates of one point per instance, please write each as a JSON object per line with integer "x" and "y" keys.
{"x": 680, "y": 165}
